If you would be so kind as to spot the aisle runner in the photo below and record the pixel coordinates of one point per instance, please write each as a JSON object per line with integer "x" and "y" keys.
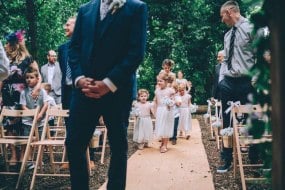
{"x": 183, "y": 167}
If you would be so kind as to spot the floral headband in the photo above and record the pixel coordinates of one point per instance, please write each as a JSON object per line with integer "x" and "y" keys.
{"x": 15, "y": 37}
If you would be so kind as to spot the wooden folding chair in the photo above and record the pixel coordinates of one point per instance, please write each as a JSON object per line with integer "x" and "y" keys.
{"x": 241, "y": 140}
{"x": 8, "y": 140}
{"x": 55, "y": 147}
{"x": 100, "y": 130}
{"x": 132, "y": 122}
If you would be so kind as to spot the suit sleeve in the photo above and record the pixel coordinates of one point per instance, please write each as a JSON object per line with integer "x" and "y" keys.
{"x": 136, "y": 48}
{"x": 60, "y": 57}
{"x": 75, "y": 48}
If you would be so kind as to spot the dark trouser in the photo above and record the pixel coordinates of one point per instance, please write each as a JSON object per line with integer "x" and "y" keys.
{"x": 66, "y": 93}
{"x": 233, "y": 89}
{"x": 84, "y": 115}
{"x": 176, "y": 120}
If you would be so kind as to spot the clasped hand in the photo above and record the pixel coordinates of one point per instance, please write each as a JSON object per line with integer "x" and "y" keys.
{"x": 92, "y": 88}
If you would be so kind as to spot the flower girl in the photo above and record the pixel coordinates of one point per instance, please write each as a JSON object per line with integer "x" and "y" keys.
{"x": 185, "y": 118}
{"x": 143, "y": 131}
{"x": 164, "y": 113}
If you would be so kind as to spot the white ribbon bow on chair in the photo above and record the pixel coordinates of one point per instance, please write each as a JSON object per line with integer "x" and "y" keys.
{"x": 232, "y": 105}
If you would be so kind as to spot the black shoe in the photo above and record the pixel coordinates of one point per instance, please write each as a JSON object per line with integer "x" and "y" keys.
{"x": 223, "y": 169}
{"x": 173, "y": 142}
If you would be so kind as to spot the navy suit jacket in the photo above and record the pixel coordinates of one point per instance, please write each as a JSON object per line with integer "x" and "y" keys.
{"x": 62, "y": 59}
{"x": 215, "y": 88}
{"x": 112, "y": 49}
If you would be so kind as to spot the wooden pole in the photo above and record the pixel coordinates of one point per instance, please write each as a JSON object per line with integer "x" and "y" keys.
{"x": 277, "y": 28}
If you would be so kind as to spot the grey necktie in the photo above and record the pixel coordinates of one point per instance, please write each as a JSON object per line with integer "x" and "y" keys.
{"x": 104, "y": 8}
{"x": 231, "y": 51}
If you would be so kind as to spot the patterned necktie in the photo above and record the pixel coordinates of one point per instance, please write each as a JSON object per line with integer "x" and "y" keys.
{"x": 68, "y": 71}
{"x": 104, "y": 8}
{"x": 231, "y": 51}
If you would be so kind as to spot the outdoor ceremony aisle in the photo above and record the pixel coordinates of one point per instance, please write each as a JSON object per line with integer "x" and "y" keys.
{"x": 183, "y": 167}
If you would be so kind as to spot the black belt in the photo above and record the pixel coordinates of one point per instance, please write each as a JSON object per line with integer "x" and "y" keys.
{"x": 238, "y": 79}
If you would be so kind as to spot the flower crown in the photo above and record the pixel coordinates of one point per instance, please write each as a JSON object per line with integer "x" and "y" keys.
{"x": 15, "y": 37}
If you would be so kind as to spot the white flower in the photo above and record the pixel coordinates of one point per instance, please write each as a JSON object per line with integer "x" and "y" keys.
{"x": 135, "y": 112}
{"x": 193, "y": 108}
{"x": 217, "y": 123}
{"x": 15, "y": 69}
{"x": 115, "y": 5}
{"x": 167, "y": 101}
{"x": 206, "y": 115}
{"x": 227, "y": 131}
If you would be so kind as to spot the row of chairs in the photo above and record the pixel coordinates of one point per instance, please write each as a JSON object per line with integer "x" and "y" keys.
{"x": 240, "y": 139}
{"x": 52, "y": 145}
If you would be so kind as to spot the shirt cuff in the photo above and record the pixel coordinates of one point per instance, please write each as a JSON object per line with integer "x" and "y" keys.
{"x": 110, "y": 84}
{"x": 77, "y": 79}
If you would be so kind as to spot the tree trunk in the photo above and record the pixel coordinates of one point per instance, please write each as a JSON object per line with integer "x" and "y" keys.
{"x": 32, "y": 27}
{"x": 277, "y": 27}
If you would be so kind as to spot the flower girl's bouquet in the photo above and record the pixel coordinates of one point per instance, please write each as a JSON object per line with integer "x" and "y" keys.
{"x": 193, "y": 108}
{"x": 135, "y": 112}
{"x": 168, "y": 102}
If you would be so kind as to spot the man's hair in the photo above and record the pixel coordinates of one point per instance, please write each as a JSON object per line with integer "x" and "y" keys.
{"x": 233, "y": 5}
{"x": 222, "y": 52}
{"x": 72, "y": 18}
{"x": 31, "y": 70}
{"x": 48, "y": 53}
{"x": 168, "y": 62}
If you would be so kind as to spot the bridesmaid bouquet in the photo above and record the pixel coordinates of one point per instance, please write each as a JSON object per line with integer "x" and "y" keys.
{"x": 135, "y": 112}
{"x": 168, "y": 102}
{"x": 193, "y": 108}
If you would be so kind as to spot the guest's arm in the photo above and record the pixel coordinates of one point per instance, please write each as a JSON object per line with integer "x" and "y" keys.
{"x": 4, "y": 64}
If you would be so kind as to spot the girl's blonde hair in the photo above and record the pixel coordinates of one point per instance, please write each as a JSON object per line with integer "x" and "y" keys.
{"x": 166, "y": 77}
{"x": 181, "y": 87}
{"x": 141, "y": 91}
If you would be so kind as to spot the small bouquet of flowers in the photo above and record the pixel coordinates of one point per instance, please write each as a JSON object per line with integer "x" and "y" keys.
{"x": 227, "y": 135}
{"x": 217, "y": 123}
{"x": 193, "y": 108}
{"x": 168, "y": 102}
{"x": 227, "y": 131}
{"x": 135, "y": 112}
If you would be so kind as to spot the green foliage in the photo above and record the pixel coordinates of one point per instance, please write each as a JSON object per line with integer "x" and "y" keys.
{"x": 260, "y": 19}
{"x": 49, "y": 19}
{"x": 186, "y": 32}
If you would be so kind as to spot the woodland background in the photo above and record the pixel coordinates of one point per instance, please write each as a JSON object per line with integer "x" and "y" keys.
{"x": 188, "y": 31}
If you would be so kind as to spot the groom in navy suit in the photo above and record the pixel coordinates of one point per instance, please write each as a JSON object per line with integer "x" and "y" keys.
{"x": 106, "y": 48}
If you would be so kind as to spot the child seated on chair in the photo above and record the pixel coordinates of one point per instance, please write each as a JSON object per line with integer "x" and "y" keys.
{"x": 28, "y": 102}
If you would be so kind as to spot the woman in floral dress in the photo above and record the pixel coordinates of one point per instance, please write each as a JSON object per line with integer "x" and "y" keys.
{"x": 11, "y": 88}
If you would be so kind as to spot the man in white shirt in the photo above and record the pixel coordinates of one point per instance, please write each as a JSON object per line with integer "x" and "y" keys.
{"x": 51, "y": 74}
